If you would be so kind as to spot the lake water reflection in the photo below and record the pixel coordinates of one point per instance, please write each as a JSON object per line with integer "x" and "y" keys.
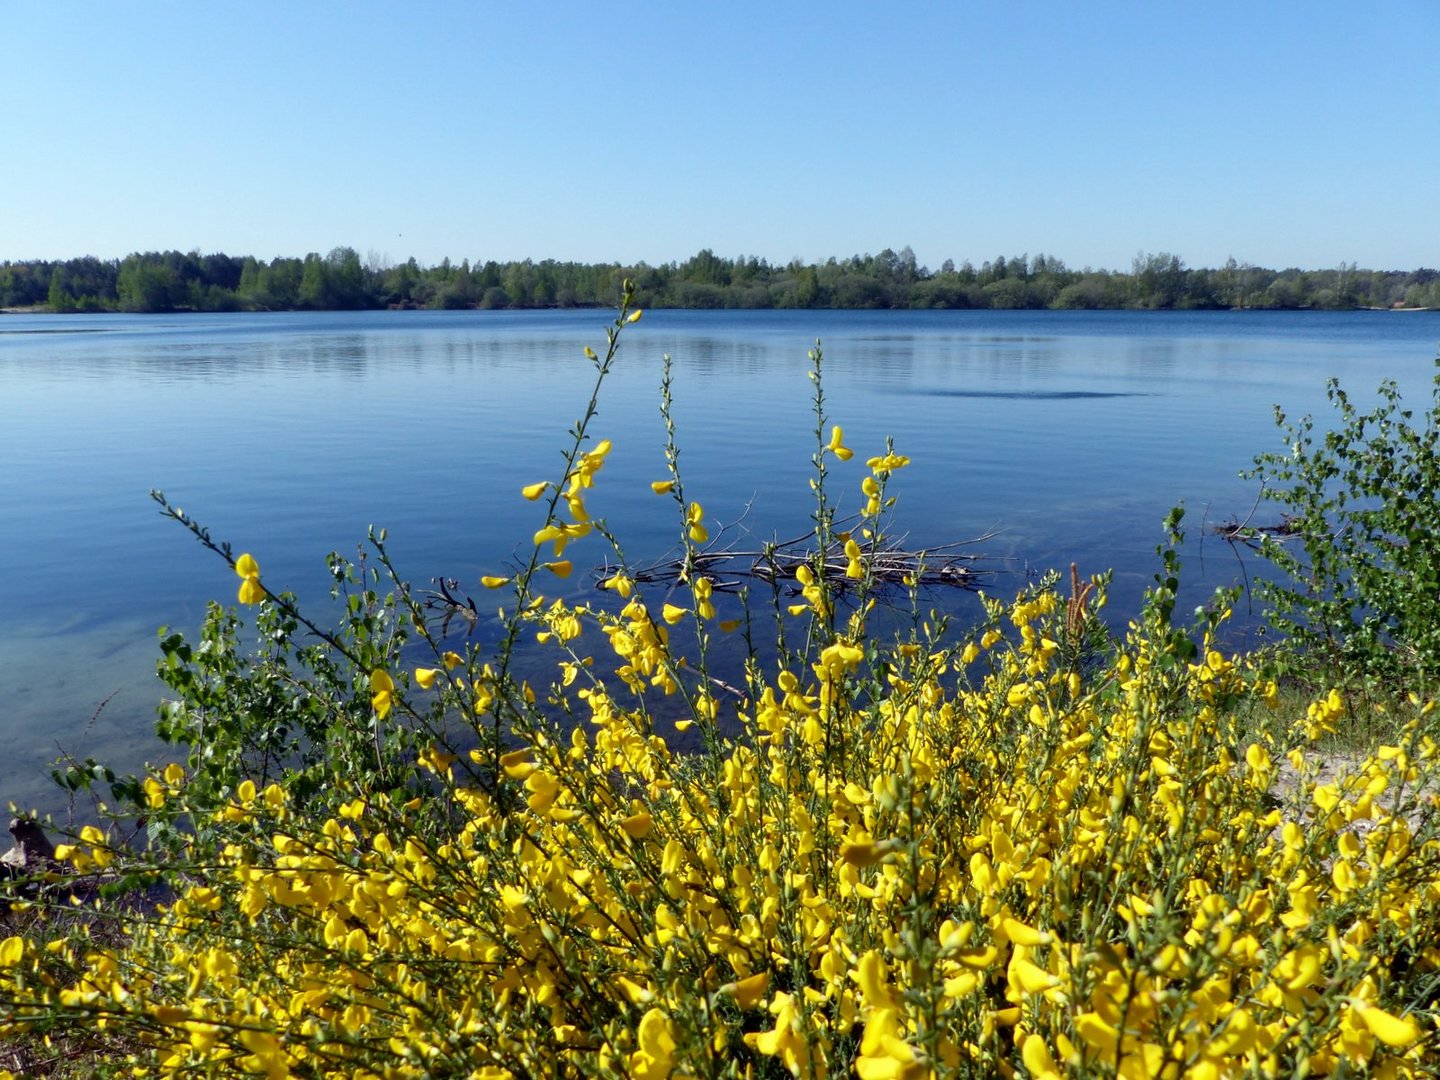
{"x": 1069, "y": 433}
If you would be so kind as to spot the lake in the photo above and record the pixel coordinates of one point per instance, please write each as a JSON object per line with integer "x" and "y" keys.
{"x": 1066, "y": 434}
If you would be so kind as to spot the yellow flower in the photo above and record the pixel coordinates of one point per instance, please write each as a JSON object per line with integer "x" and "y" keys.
{"x": 583, "y": 475}
{"x": 619, "y": 583}
{"x": 494, "y": 582}
{"x": 436, "y": 760}
{"x": 883, "y": 466}
{"x": 748, "y": 992}
{"x": 654, "y": 1058}
{"x": 662, "y": 487}
{"x": 786, "y": 1040}
{"x": 854, "y": 568}
{"x": 704, "y": 607}
{"x": 154, "y": 793}
{"x": 451, "y": 660}
{"x": 560, "y": 568}
{"x": 860, "y": 852}
{"x": 12, "y": 951}
{"x": 1096, "y": 1033}
{"x": 673, "y": 614}
{"x": 634, "y": 992}
{"x": 251, "y": 591}
{"x": 1397, "y": 1031}
{"x": 1020, "y": 933}
{"x": 534, "y": 491}
{"x": 382, "y": 692}
{"x": 871, "y": 491}
{"x": 1029, "y": 978}
{"x": 543, "y": 788}
{"x": 634, "y": 316}
{"x": 1038, "y": 1060}
{"x": 694, "y": 516}
{"x": 562, "y": 534}
{"x": 517, "y": 763}
{"x": 426, "y": 676}
{"x": 637, "y": 825}
{"x": 884, "y": 1054}
{"x": 872, "y": 978}
{"x": 837, "y": 445}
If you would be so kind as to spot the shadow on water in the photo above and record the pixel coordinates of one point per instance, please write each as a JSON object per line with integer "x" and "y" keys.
{"x": 58, "y": 330}
{"x": 1022, "y": 395}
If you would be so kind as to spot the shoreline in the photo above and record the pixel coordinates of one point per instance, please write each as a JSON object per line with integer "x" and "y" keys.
{"x": 46, "y": 310}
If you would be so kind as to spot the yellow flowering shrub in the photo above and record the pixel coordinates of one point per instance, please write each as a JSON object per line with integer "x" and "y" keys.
{"x": 923, "y": 857}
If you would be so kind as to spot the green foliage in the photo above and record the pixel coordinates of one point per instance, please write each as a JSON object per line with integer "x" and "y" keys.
{"x": 1359, "y": 598}
{"x": 289, "y": 702}
{"x": 175, "y": 281}
{"x": 144, "y": 286}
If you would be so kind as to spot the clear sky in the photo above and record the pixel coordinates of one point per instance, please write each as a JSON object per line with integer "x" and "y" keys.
{"x": 1279, "y": 133}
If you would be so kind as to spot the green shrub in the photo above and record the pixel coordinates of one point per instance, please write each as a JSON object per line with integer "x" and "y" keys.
{"x": 1359, "y": 596}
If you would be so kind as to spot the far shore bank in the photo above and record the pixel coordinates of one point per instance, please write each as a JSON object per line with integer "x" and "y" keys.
{"x": 42, "y": 309}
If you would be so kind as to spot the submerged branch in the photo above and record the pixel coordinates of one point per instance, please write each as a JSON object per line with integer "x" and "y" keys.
{"x": 891, "y": 564}
{"x": 1287, "y": 528}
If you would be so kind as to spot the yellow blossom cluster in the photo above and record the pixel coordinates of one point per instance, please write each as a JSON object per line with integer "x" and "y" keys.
{"x": 888, "y": 870}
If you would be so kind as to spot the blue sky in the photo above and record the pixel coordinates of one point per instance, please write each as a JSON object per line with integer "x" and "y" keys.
{"x": 1279, "y": 133}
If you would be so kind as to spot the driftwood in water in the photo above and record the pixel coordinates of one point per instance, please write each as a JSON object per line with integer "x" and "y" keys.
{"x": 450, "y": 606}
{"x": 1287, "y": 528}
{"x": 890, "y": 563}
{"x": 1244, "y": 532}
{"x": 729, "y": 569}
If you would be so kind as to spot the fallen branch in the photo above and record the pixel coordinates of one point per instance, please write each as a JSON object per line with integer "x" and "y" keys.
{"x": 1287, "y": 528}
{"x": 729, "y": 568}
{"x": 443, "y": 599}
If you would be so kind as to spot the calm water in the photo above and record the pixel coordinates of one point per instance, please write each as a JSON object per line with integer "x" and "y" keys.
{"x": 1069, "y": 433}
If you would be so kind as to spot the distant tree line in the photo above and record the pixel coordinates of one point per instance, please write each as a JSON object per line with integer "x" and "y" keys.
{"x": 175, "y": 281}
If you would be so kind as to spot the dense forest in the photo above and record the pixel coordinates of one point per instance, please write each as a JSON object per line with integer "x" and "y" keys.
{"x": 342, "y": 280}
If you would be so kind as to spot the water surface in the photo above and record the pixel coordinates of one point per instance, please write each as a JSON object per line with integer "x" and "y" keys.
{"x": 1069, "y": 434}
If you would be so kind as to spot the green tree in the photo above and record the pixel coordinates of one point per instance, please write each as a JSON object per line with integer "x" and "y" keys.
{"x": 1159, "y": 280}
{"x": 58, "y": 296}
{"x": 147, "y": 284}
{"x": 315, "y": 283}
{"x": 706, "y": 268}
{"x": 348, "y": 283}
